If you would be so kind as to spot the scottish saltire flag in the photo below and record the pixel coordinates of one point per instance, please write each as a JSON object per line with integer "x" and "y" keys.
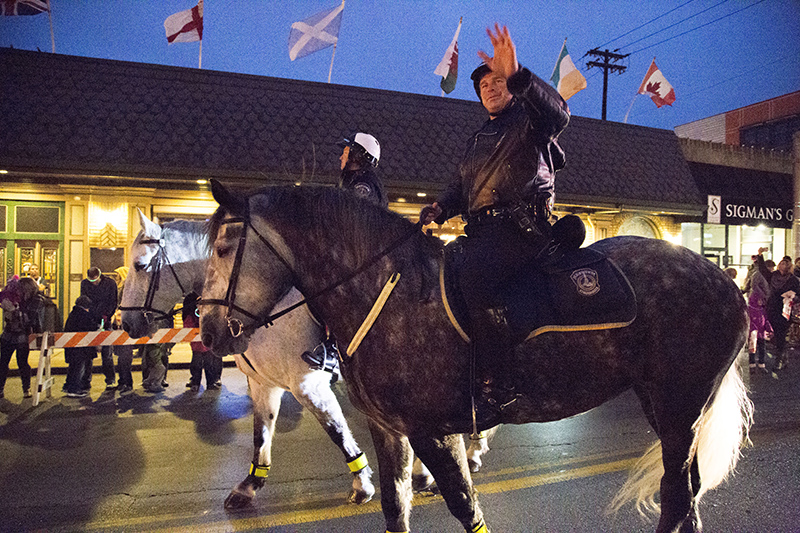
{"x": 315, "y": 33}
{"x": 23, "y": 7}
{"x": 567, "y": 79}
{"x": 448, "y": 67}
{"x": 656, "y": 86}
{"x": 185, "y": 26}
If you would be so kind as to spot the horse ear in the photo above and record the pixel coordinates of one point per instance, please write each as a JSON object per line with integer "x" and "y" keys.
{"x": 149, "y": 227}
{"x": 228, "y": 200}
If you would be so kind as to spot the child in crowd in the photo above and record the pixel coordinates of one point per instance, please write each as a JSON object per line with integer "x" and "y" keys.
{"x": 203, "y": 359}
{"x": 79, "y": 371}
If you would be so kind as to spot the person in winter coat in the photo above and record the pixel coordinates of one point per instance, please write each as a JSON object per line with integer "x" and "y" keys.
{"x": 504, "y": 190}
{"x": 79, "y": 371}
{"x": 781, "y": 284}
{"x": 760, "y": 328}
{"x": 360, "y": 155}
{"x": 22, "y": 309}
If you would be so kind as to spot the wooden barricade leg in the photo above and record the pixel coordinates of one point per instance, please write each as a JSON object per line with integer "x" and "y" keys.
{"x": 44, "y": 378}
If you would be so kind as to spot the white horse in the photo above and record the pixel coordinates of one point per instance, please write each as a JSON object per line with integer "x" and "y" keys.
{"x": 169, "y": 261}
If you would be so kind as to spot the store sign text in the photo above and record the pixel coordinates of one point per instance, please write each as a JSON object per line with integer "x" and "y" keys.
{"x": 737, "y": 213}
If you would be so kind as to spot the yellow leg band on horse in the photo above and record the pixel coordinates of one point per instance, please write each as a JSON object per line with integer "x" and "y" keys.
{"x": 480, "y": 528}
{"x": 358, "y": 463}
{"x": 259, "y": 470}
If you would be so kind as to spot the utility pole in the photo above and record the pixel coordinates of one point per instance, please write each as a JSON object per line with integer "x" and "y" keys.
{"x": 610, "y": 59}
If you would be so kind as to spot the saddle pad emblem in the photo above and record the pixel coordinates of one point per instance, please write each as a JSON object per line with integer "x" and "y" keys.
{"x": 585, "y": 279}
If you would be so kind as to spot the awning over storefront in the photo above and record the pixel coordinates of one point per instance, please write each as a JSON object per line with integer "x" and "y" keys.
{"x": 739, "y": 196}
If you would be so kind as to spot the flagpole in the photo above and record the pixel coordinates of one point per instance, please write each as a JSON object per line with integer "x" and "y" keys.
{"x": 201, "y": 9}
{"x": 52, "y": 35}
{"x": 629, "y": 108}
{"x": 330, "y": 70}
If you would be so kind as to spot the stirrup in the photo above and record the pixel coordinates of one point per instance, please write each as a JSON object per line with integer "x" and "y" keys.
{"x": 325, "y": 356}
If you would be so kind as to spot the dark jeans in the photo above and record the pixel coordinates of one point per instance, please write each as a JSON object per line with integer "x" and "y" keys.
{"x": 760, "y": 354}
{"x": 124, "y": 363}
{"x": 79, "y": 373}
{"x": 208, "y": 362}
{"x": 7, "y": 349}
{"x": 107, "y": 356}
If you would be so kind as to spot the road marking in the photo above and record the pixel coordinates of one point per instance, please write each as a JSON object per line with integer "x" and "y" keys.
{"x": 314, "y": 513}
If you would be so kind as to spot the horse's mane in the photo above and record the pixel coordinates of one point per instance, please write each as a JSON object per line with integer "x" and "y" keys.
{"x": 319, "y": 208}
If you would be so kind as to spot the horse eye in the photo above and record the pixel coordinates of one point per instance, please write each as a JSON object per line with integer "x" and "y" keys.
{"x": 139, "y": 266}
{"x": 222, "y": 251}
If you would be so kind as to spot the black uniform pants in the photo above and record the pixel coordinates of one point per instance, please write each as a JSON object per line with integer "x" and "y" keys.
{"x": 494, "y": 250}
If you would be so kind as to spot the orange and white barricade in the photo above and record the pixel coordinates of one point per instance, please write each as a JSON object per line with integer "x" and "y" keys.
{"x": 47, "y": 342}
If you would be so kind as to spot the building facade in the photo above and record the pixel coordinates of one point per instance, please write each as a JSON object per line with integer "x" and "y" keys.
{"x": 85, "y": 143}
{"x": 742, "y": 162}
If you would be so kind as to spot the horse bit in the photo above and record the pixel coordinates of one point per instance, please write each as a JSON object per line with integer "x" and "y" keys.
{"x": 159, "y": 259}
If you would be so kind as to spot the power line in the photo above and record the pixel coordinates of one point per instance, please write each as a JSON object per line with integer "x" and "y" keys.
{"x": 643, "y": 25}
{"x": 696, "y": 28}
{"x": 745, "y": 73}
{"x": 675, "y": 24}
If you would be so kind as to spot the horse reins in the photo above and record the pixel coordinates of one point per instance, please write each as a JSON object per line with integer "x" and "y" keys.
{"x": 157, "y": 263}
{"x": 235, "y": 325}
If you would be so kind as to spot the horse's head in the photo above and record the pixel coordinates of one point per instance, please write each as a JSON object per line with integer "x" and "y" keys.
{"x": 148, "y": 293}
{"x": 245, "y": 251}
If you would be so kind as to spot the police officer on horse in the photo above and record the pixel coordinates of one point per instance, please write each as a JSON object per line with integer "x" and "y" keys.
{"x": 504, "y": 191}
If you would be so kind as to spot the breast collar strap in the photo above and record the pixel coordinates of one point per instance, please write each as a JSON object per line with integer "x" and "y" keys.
{"x": 235, "y": 326}
{"x": 159, "y": 259}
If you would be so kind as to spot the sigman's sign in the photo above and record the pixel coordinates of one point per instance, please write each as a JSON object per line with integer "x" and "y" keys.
{"x": 733, "y": 212}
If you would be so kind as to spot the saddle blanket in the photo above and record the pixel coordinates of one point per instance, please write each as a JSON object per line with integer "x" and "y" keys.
{"x": 580, "y": 291}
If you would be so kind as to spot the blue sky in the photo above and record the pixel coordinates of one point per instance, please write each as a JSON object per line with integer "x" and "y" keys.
{"x": 742, "y": 52}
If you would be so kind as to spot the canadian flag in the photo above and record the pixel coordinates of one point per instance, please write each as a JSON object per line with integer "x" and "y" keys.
{"x": 657, "y": 87}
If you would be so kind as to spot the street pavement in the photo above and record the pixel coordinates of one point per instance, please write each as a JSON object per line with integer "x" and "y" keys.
{"x": 166, "y": 462}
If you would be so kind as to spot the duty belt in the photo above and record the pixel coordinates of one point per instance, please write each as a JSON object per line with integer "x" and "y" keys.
{"x": 487, "y": 213}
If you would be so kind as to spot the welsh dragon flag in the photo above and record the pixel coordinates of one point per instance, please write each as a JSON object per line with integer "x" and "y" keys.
{"x": 448, "y": 67}
{"x": 656, "y": 86}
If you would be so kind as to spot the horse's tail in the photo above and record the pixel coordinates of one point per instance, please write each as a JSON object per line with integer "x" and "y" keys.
{"x": 722, "y": 430}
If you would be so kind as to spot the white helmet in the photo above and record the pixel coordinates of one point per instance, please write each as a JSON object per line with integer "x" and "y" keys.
{"x": 365, "y": 145}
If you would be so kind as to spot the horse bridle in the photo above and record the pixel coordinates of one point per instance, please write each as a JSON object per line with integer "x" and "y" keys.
{"x": 235, "y": 326}
{"x": 158, "y": 261}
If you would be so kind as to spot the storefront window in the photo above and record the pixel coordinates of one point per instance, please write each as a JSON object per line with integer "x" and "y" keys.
{"x": 691, "y": 237}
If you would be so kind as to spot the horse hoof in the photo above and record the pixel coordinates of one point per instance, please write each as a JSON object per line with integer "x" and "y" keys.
{"x": 238, "y": 500}
{"x": 474, "y": 466}
{"x": 359, "y": 497}
{"x": 421, "y": 483}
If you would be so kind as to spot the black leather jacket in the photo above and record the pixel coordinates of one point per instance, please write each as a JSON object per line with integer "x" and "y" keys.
{"x": 515, "y": 154}
{"x": 365, "y": 184}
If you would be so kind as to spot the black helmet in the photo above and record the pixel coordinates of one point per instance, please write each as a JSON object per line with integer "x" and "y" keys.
{"x": 476, "y": 77}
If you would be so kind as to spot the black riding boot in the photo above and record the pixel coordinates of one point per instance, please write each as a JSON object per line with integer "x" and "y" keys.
{"x": 493, "y": 362}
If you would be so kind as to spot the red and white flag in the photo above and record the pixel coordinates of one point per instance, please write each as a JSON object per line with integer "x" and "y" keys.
{"x": 185, "y": 26}
{"x": 23, "y": 7}
{"x": 448, "y": 66}
{"x": 656, "y": 86}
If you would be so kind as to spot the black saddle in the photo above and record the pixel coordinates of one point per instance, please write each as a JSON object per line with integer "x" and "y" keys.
{"x": 576, "y": 289}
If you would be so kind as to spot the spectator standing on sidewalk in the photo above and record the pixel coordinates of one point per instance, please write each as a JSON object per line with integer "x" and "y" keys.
{"x": 22, "y": 307}
{"x": 203, "y": 359}
{"x": 79, "y": 372}
{"x": 102, "y": 291}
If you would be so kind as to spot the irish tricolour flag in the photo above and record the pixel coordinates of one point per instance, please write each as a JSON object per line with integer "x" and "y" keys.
{"x": 567, "y": 79}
